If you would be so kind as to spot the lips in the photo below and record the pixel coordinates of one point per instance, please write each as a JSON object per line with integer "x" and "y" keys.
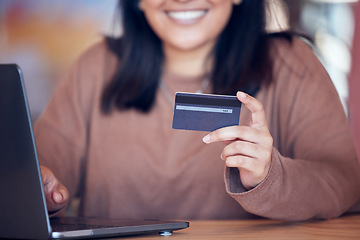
{"x": 186, "y": 15}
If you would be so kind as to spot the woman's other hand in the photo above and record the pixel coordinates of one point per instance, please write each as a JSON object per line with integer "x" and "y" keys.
{"x": 247, "y": 147}
{"x": 56, "y": 194}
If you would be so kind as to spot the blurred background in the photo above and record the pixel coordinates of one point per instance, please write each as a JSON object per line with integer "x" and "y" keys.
{"x": 45, "y": 37}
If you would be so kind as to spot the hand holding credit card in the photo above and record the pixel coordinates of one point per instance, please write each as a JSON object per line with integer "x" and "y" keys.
{"x": 205, "y": 112}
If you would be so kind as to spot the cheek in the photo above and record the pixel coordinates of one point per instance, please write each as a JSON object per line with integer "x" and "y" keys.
{"x": 221, "y": 17}
{"x": 143, "y": 4}
{"x": 152, "y": 10}
{"x": 219, "y": 2}
{"x": 157, "y": 24}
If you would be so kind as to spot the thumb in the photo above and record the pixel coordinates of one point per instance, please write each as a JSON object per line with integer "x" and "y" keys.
{"x": 59, "y": 195}
{"x": 56, "y": 194}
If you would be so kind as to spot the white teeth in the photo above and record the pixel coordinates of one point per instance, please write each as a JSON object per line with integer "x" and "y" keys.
{"x": 187, "y": 15}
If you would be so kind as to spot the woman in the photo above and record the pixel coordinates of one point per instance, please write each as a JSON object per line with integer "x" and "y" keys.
{"x": 107, "y": 137}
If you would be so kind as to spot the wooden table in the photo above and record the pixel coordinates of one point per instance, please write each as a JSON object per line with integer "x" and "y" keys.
{"x": 346, "y": 227}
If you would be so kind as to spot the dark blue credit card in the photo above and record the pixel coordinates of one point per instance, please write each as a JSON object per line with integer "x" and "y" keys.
{"x": 205, "y": 112}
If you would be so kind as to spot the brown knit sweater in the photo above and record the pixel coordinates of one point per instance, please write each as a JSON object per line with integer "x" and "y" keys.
{"x": 134, "y": 165}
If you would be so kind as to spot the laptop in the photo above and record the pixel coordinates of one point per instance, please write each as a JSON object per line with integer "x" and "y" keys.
{"x": 23, "y": 212}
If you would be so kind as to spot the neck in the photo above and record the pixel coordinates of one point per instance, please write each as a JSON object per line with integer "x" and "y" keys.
{"x": 187, "y": 62}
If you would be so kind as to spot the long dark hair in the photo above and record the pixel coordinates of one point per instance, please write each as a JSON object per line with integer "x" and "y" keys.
{"x": 241, "y": 57}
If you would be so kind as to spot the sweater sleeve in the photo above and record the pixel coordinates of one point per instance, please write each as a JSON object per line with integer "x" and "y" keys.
{"x": 314, "y": 171}
{"x": 61, "y": 132}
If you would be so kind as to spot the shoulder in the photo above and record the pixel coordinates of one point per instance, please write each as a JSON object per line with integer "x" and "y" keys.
{"x": 95, "y": 57}
{"x": 300, "y": 83}
{"x": 87, "y": 77}
{"x": 298, "y": 77}
{"x": 301, "y": 91}
{"x": 93, "y": 68}
{"x": 296, "y": 55}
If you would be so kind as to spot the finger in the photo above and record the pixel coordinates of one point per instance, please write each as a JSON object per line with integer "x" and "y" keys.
{"x": 60, "y": 195}
{"x": 234, "y": 133}
{"x": 258, "y": 119}
{"x": 46, "y": 175}
{"x": 256, "y": 171}
{"x": 57, "y": 199}
{"x": 248, "y": 149}
{"x": 56, "y": 194}
{"x": 251, "y": 172}
{"x": 49, "y": 180}
{"x": 239, "y": 161}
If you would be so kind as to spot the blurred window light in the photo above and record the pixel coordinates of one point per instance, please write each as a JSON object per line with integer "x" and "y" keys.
{"x": 335, "y": 1}
{"x": 331, "y": 25}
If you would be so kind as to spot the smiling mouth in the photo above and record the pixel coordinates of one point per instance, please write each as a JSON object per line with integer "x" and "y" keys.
{"x": 186, "y": 15}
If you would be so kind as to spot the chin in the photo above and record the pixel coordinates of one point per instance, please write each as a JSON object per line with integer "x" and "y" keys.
{"x": 191, "y": 45}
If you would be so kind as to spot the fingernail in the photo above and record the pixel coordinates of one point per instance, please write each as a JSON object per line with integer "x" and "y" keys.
{"x": 57, "y": 197}
{"x": 242, "y": 95}
{"x": 221, "y": 157}
{"x": 206, "y": 139}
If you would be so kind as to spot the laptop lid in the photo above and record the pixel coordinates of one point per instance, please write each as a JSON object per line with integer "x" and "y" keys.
{"x": 23, "y": 212}
{"x": 22, "y": 201}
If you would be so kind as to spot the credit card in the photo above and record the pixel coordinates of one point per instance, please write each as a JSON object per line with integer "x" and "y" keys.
{"x": 205, "y": 112}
